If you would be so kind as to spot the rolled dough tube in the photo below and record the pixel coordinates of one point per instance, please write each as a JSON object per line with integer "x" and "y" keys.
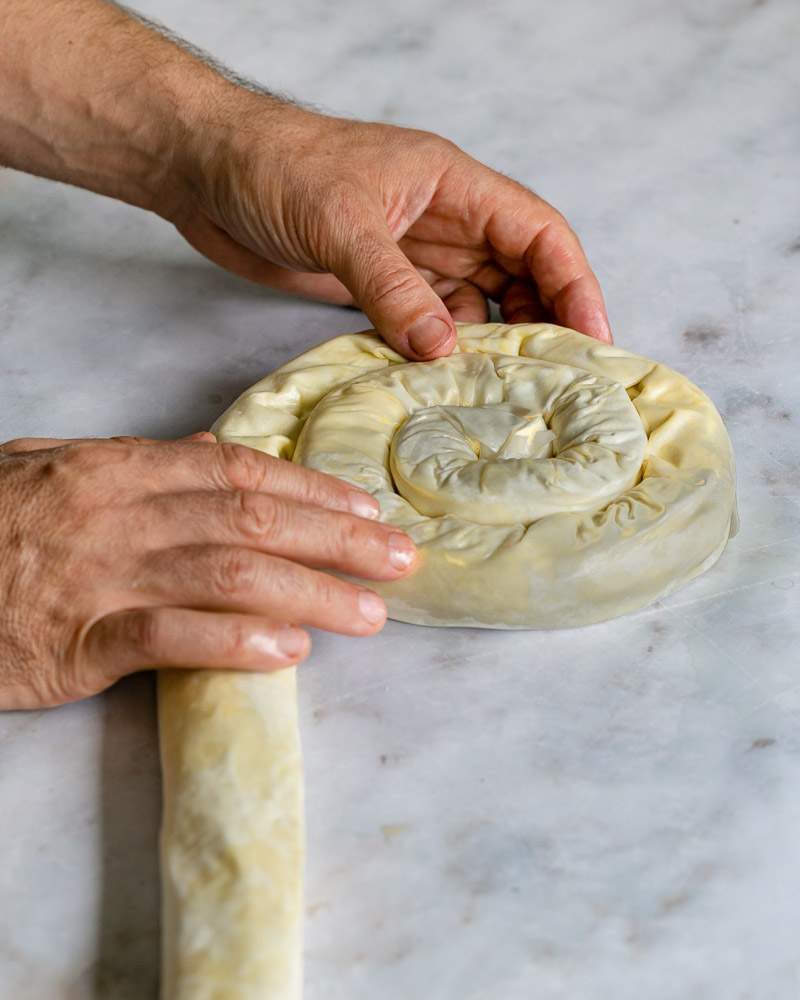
{"x": 547, "y": 479}
{"x": 231, "y": 836}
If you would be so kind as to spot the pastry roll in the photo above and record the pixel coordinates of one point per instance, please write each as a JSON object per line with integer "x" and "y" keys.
{"x": 548, "y": 480}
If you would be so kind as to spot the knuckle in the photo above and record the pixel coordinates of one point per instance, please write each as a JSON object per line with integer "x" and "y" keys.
{"x": 236, "y": 642}
{"x": 561, "y": 222}
{"x": 422, "y": 141}
{"x": 241, "y": 467}
{"x": 556, "y": 228}
{"x": 81, "y": 453}
{"x": 350, "y": 537}
{"x": 430, "y": 143}
{"x": 390, "y": 282}
{"x": 58, "y": 481}
{"x": 258, "y": 516}
{"x": 71, "y": 471}
{"x": 235, "y": 573}
{"x": 88, "y": 456}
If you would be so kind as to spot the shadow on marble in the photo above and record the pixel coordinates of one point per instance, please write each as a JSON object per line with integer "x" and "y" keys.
{"x": 168, "y": 320}
{"x": 129, "y": 928}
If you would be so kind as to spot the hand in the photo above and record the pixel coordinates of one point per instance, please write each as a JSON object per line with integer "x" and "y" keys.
{"x": 116, "y": 555}
{"x": 403, "y": 223}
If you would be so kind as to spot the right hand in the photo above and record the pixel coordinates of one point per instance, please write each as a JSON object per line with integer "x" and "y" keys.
{"x": 401, "y": 222}
{"x": 122, "y": 554}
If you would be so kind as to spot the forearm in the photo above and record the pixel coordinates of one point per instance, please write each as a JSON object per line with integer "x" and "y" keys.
{"x": 92, "y": 96}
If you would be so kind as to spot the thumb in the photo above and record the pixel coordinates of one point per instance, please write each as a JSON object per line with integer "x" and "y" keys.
{"x": 401, "y": 305}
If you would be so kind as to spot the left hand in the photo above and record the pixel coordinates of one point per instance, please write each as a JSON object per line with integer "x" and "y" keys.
{"x": 124, "y": 554}
{"x": 400, "y": 222}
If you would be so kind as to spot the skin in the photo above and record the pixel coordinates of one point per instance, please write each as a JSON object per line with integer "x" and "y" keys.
{"x": 126, "y": 554}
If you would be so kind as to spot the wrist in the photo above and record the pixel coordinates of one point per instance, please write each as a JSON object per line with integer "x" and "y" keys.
{"x": 230, "y": 132}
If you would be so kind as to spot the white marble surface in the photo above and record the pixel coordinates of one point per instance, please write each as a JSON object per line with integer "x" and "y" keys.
{"x": 610, "y": 812}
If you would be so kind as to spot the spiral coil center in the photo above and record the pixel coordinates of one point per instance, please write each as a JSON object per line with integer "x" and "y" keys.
{"x": 490, "y": 439}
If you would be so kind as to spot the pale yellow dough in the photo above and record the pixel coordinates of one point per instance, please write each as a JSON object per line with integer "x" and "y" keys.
{"x": 231, "y": 836}
{"x": 548, "y": 480}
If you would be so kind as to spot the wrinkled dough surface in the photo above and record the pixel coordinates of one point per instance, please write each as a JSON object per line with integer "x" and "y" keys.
{"x": 548, "y": 479}
{"x": 487, "y": 438}
{"x": 231, "y": 836}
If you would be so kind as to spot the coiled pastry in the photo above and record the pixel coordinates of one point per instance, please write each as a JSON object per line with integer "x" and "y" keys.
{"x": 548, "y": 479}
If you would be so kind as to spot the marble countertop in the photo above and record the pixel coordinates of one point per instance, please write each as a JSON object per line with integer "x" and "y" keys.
{"x": 607, "y": 812}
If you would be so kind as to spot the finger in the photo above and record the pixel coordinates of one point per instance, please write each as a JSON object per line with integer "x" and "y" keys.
{"x": 467, "y": 304}
{"x": 442, "y": 258}
{"x": 403, "y": 307}
{"x": 521, "y": 304}
{"x": 310, "y": 535}
{"x": 559, "y": 267}
{"x": 237, "y": 467}
{"x": 444, "y": 261}
{"x": 140, "y": 638}
{"x": 525, "y": 229}
{"x": 19, "y": 445}
{"x": 492, "y": 280}
{"x": 230, "y": 466}
{"x": 229, "y": 578}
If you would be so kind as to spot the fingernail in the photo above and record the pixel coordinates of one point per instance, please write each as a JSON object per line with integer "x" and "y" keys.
{"x": 602, "y": 328}
{"x": 371, "y": 607}
{"x": 289, "y": 643}
{"x": 363, "y": 505}
{"x": 402, "y": 551}
{"x": 427, "y": 335}
{"x": 292, "y": 642}
{"x": 199, "y": 434}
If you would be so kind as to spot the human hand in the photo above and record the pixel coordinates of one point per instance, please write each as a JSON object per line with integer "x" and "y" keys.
{"x": 403, "y": 223}
{"x": 121, "y": 554}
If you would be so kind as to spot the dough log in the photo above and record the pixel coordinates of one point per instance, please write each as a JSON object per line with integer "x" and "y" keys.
{"x": 231, "y": 836}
